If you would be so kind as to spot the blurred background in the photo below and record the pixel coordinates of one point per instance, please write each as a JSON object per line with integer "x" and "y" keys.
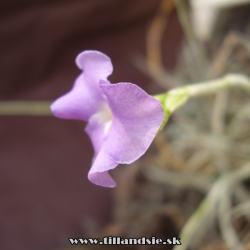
{"x": 45, "y": 196}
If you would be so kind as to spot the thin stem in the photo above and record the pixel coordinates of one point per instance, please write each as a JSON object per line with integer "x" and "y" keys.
{"x": 39, "y": 108}
{"x": 213, "y": 86}
{"x": 175, "y": 98}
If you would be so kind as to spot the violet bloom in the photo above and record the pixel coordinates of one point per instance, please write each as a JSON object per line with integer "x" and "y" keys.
{"x": 122, "y": 118}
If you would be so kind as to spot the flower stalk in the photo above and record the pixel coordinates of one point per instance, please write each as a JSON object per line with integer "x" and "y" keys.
{"x": 37, "y": 108}
{"x": 177, "y": 97}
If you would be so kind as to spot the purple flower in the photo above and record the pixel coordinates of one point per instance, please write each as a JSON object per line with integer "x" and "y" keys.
{"x": 122, "y": 118}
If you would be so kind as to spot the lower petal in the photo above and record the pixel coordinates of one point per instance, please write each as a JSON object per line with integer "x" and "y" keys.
{"x": 97, "y": 128}
{"x": 137, "y": 117}
{"x": 98, "y": 173}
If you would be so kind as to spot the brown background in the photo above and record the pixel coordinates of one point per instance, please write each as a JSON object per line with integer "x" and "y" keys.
{"x": 45, "y": 196}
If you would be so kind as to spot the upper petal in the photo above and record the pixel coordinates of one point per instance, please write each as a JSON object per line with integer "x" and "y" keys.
{"x": 95, "y": 63}
{"x": 86, "y": 96}
{"x": 80, "y": 103}
{"x": 137, "y": 117}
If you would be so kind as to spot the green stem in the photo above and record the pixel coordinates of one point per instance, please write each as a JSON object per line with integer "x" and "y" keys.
{"x": 226, "y": 82}
{"x": 175, "y": 98}
{"x": 39, "y": 108}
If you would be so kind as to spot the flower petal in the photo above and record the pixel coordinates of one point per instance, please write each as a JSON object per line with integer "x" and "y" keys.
{"x": 96, "y": 129}
{"x": 98, "y": 173}
{"x": 79, "y": 103}
{"x": 137, "y": 117}
{"x": 86, "y": 97}
{"x": 94, "y": 63}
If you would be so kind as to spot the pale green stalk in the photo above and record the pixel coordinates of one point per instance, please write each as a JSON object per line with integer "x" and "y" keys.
{"x": 39, "y": 108}
{"x": 177, "y": 97}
